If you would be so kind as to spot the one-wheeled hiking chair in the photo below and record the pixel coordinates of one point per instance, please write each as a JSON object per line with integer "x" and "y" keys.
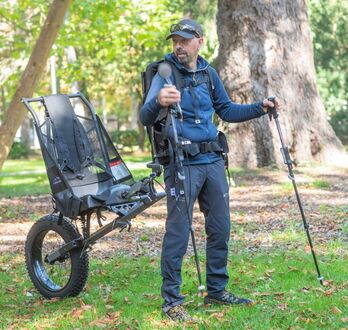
{"x": 87, "y": 177}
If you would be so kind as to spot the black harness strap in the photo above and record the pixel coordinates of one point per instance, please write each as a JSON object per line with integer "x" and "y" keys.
{"x": 62, "y": 151}
{"x": 81, "y": 141}
{"x": 159, "y": 134}
{"x": 72, "y": 143}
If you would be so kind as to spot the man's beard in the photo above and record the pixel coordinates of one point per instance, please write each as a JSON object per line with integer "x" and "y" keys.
{"x": 184, "y": 59}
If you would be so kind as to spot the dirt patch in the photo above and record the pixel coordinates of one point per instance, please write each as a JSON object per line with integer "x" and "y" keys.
{"x": 261, "y": 205}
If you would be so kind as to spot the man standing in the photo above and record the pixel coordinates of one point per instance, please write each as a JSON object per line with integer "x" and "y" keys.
{"x": 201, "y": 96}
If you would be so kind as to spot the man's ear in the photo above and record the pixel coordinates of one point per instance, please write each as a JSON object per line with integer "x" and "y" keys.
{"x": 200, "y": 42}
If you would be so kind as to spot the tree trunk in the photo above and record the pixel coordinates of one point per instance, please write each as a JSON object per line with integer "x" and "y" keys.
{"x": 141, "y": 139}
{"x": 134, "y": 112}
{"x": 25, "y": 132}
{"x": 37, "y": 62}
{"x": 266, "y": 49}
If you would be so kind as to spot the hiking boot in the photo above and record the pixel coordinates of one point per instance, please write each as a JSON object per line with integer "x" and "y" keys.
{"x": 178, "y": 313}
{"x": 227, "y": 298}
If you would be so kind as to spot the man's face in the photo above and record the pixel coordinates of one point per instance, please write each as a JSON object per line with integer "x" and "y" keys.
{"x": 186, "y": 50}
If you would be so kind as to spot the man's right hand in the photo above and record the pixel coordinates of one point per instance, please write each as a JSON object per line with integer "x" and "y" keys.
{"x": 168, "y": 95}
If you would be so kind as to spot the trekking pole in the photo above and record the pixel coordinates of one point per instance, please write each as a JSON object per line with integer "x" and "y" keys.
{"x": 165, "y": 71}
{"x": 272, "y": 112}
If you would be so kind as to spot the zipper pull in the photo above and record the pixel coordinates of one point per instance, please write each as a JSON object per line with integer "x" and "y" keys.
{"x": 194, "y": 77}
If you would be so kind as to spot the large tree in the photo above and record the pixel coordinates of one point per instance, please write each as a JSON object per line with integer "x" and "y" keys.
{"x": 266, "y": 49}
{"x": 31, "y": 75}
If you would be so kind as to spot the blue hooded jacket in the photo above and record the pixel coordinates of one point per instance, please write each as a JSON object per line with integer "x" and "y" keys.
{"x": 198, "y": 101}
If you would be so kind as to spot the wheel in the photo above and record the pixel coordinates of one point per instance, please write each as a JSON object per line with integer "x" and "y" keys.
{"x": 65, "y": 277}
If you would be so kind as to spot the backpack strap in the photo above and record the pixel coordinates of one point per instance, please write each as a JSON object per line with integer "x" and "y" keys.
{"x": 178, "y": 77}
{"x": 180, "y": 83}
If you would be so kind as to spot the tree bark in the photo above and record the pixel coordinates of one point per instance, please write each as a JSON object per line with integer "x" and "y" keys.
{"x": 25, "y": 132}
{"x": 266, "y": 49}
{"x": 31, "y": 75}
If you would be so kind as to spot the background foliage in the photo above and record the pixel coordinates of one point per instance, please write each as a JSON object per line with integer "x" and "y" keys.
{"x": 104, "y": 45}
{"x": 329, "y": 24}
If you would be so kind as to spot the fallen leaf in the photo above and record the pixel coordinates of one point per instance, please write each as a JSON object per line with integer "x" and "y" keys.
{"x": 305, "y": 290}
{"x": 99, "y": 324}
{"x": 336, "y": 310}
{"x": 262, "y": 294}
{"x": 307, "y": 248}
{"x": 77, "y": 312}
{"x": 218, "y": 316}
{"x": 149, "y": 295}
{"x": 329, "y": 292}
{"x": 283, "y": 307}
{"x": 279, "y": 294}
{"x": 327, "y": 282}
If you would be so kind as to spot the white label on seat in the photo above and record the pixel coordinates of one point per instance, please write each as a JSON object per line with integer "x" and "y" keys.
{"x": 119, "y": 169}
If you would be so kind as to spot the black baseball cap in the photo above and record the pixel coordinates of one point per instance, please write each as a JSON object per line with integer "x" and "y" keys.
{"x": 186, "y": 28}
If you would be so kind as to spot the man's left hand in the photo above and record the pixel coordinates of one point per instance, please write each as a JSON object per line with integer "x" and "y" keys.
{"x": 268, "y": 104}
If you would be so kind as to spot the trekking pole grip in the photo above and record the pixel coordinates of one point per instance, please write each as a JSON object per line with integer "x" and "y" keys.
{"x": 272, "y": 111}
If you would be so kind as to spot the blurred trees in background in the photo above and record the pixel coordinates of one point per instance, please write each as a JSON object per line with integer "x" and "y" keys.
{"x": 101, "y": 49}
{"x": 329, "y": 25}
{"x": 104, "y": 45}
{"x": 15, "y": 115}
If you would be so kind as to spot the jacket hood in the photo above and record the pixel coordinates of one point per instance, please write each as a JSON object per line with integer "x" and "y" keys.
{"x": 202, "y": 64}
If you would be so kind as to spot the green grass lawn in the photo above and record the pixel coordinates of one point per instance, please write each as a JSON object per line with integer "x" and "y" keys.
{"x": 22, "y": 177}
{"x": 123, "y": 293}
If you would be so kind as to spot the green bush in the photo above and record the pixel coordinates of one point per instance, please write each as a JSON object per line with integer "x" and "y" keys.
{"x": 127, "y": 138}
{"x": 18, "y": 150}
{"x": 339, "y": 122}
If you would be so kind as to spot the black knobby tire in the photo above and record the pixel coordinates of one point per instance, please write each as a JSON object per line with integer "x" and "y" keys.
{"x": 67, "y": 276}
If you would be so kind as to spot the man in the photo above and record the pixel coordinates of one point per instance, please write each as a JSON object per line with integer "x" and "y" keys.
{"x": 205, "y": 178}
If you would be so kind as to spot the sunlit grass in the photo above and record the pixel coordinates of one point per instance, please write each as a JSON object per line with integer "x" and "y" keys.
{"x": 21, "y": 165}
{"x": 23, "y": 185}
{"x": 321, "y": 184}
{"x": 125, "y": 293}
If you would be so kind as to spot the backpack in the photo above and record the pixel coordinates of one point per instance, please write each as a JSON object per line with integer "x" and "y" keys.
{"x": 160, "y": 146}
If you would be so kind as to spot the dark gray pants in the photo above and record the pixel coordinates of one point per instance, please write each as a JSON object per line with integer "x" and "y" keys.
{"x": 207, "y": 183}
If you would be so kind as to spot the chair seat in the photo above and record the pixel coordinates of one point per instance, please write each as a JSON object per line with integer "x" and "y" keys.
{"x": 111, "y": 196}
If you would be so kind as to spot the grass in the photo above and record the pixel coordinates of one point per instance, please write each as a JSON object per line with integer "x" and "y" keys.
{"x": 22, "y": 177}
{"x": 23, "y": 185}
{"x": 123, "y": 293}
{"x": 21, "y": 165}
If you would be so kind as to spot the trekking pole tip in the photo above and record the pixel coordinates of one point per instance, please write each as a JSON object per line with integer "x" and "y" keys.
{"x": 201, "y": 290}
